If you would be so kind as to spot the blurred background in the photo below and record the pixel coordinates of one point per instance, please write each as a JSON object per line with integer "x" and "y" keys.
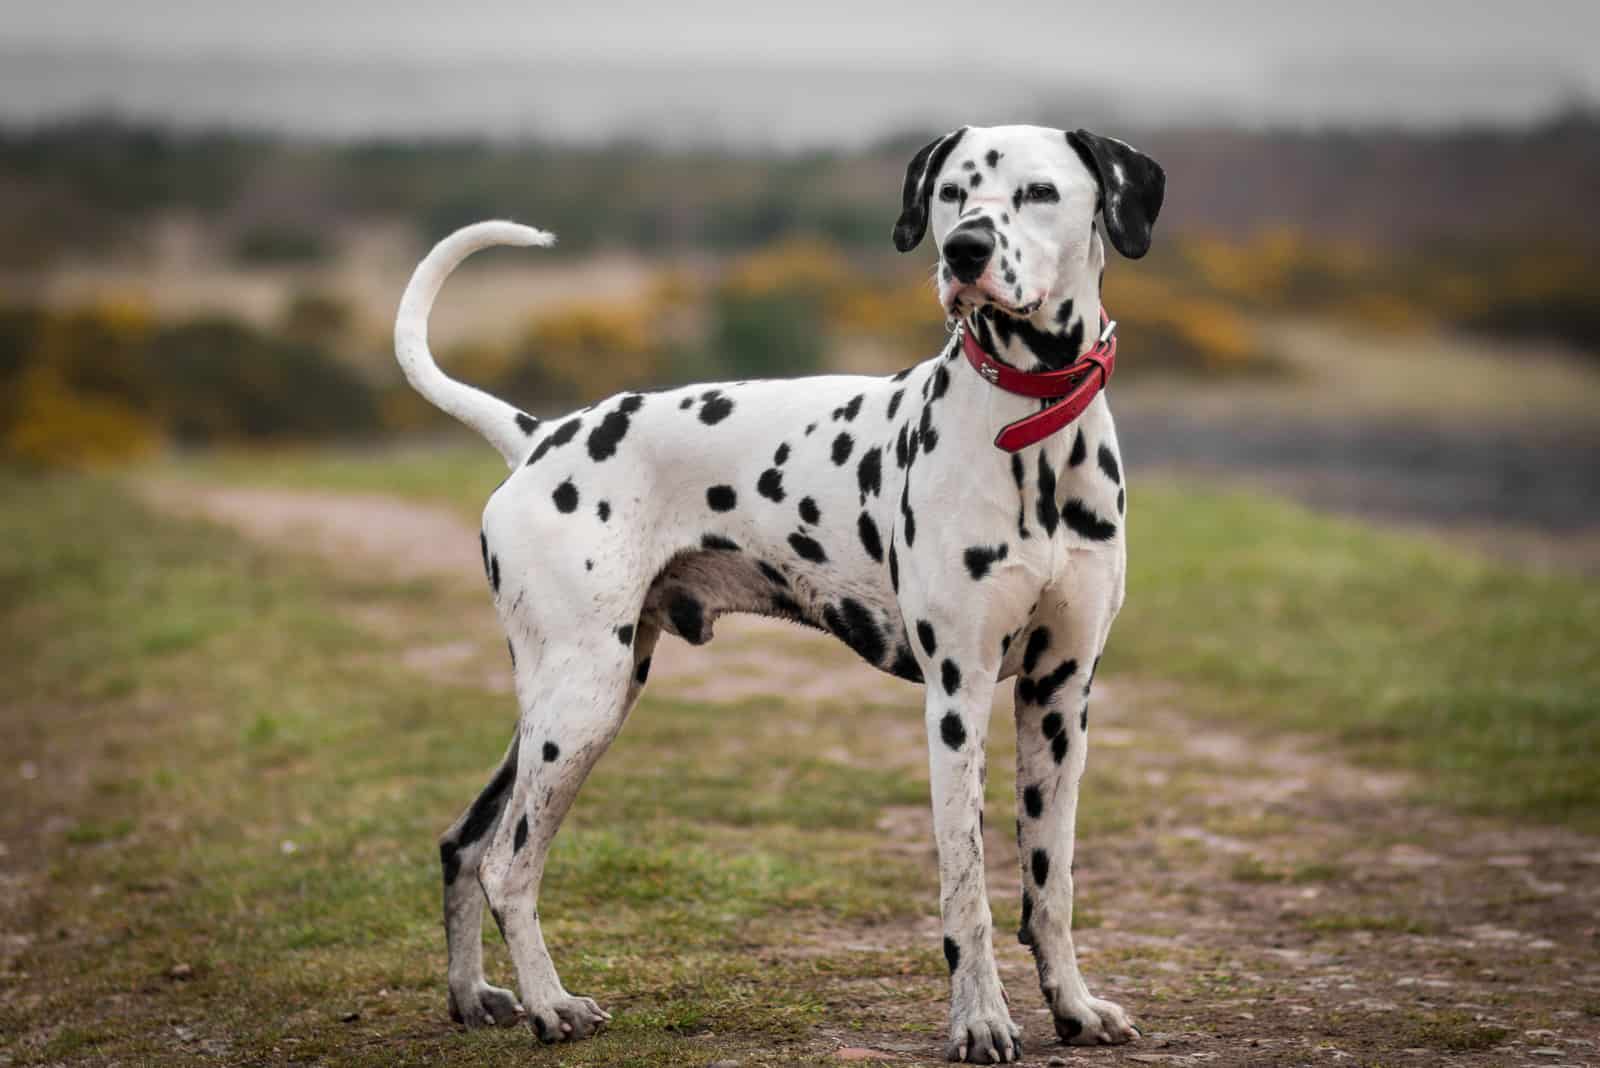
{"x": 1346, "y": 780}
{"x": 1374, "y": 283}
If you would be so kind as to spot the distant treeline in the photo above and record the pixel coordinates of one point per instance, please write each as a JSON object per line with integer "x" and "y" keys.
{"x": 91, "y": 185}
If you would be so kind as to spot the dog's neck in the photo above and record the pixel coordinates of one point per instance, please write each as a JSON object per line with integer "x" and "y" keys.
{"x": 1063, "y": 327}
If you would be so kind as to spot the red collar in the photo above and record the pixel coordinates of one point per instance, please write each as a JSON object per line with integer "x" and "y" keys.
{"x": 1071, "y": 388}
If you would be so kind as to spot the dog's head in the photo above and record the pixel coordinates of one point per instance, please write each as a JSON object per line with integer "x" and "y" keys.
{"x": 1012, "y": 209}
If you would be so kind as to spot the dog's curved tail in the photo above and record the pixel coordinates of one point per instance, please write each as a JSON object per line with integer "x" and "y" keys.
{"x": 501, "y": 424}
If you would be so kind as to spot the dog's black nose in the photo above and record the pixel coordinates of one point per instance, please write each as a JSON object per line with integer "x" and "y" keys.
{"x": 967, "y": 252}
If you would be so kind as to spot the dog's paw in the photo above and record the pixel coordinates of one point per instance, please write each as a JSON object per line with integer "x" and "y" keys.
{"x": 485, "y": 1006}
{"x": 568, "y": 1019}
{"x": 984, "y": 1037}
{"x": 1092, "y": 1022}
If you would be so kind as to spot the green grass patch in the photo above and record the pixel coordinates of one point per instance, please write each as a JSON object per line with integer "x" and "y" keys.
{"x": 233, "y": 775}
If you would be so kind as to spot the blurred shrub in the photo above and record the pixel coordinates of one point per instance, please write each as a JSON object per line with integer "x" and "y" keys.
{"x": 1165, "y": 327}
{"x": 279, "y": 245}
{"x": 319, "y": 318}
{"x": 583, "y": 350}
{"x": 772, "y": 310}
{"x": 220, "y": 380}
{"x": 106, "y": 383}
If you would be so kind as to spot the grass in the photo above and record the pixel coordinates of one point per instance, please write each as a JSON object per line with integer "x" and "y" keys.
{"x": 248, "y": 796}
{"x": 234, "y": 785}
{"x": 1483, "y": 679}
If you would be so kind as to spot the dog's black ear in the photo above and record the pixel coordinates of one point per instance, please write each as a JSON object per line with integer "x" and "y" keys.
{"x": 920, "y": 174}
{"x": 1131, "y": 188}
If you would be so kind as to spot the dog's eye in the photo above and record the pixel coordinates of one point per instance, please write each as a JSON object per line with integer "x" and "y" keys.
{"x": 949, "y": 192}
{"x": 1043, "y": 193}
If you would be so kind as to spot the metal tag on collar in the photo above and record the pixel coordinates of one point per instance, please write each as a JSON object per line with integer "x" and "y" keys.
{"x": 990, "y": 373}
{"x": 1110, "y": 329}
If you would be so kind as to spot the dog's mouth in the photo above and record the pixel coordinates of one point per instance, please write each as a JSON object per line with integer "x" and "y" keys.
{"x": 966, "y": 299}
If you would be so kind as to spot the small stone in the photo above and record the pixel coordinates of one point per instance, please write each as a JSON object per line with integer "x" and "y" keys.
{"x": 28, "y": 770}
{"x": 1547, "y": 1051}
{"x": 1056, "y": 1062}
{"x": 349, "y": 1017}
{"x": 723, "y": 1064}
{"x": 288, "y": 848}
{"x": 181, "y": 972}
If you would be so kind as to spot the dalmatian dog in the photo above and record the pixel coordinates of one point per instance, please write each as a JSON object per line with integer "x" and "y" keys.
{"x": 877, "y": 509}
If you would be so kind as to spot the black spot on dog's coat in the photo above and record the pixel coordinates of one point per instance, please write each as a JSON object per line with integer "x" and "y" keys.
{"x": 894, "y": 403}
{"x": 1049, "y": 515}
{"x": 952, "y": 953}
{"x": 520, "y": 839}
{"x": 716, "y": 408}
{"x": 1122, "y": 502}
{"x": 908, "y": 520}
{"x": 772, "y": 574}
{"x": 527, "y": 423}
{"x": 603, "y": 439}
{"x": 566, "y": 497}
{"x": 894, "y": 569}
{"x": 950, "y": 676}
{"x": 807, "y": 548}
{"x": 625, "y": 634}
{"x": 718, "y": 543}
{"x": 642, "y": 672}
{"x": 770, "y": 485}
{"x": 1024, "y": 929}
{"x": 980, "y": 558}
{"x": 905, "y": 665}
{"x": 563, "y": 434}
{"x": 481, "y": 817}
{"x": 809, "y": 512}
{"x": 1041, "y": 866}
{"x": 841, "y": 449}
{"x": 1045, "y": 687}
{"x": 1082, "y": 520}
{"x": 1033, "y": 802}
{"x": 925, "y": 635}
{"x": 870, "y": 541}
{"x": 1080, "y": 449}
{"x": 952, "y": 730}
{"x": 992, "y": 157}
{"x": 603, "y": 510}
{"x": 927, "y": 433}
{"x": 494, "y": 573}
{"x": 1050, "y": 726}
{"x": 869, "y": 473}
{"x": 854, "y": 625}
{"x": 551, "y": 752}
{"x": 1108, "y": 463}
{"x": 688, "y": 618}
{"x": 1038, "y": 642}
{"x": 722, "y": 498}
{"x": 780, "y": 455}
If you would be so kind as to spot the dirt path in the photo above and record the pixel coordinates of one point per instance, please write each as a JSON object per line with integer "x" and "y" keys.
{"x": 1253, "y": 900}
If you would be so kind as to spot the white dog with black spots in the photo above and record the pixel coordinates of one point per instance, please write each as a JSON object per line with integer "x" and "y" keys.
{"x": 877, "y": 509}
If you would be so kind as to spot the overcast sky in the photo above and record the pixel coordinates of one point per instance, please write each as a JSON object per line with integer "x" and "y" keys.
{"x": 1357, "y": 60}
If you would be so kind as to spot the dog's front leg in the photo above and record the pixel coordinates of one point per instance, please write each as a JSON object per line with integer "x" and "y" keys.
{"x": 1052, "y": 705}
{"x": 958, "y": 723}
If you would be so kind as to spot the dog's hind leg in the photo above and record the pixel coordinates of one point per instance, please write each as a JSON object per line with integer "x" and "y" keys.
{"x": 473, "y": 1001}
{"x": 1052, "y": 695}
{"x": 575, "y": 697}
